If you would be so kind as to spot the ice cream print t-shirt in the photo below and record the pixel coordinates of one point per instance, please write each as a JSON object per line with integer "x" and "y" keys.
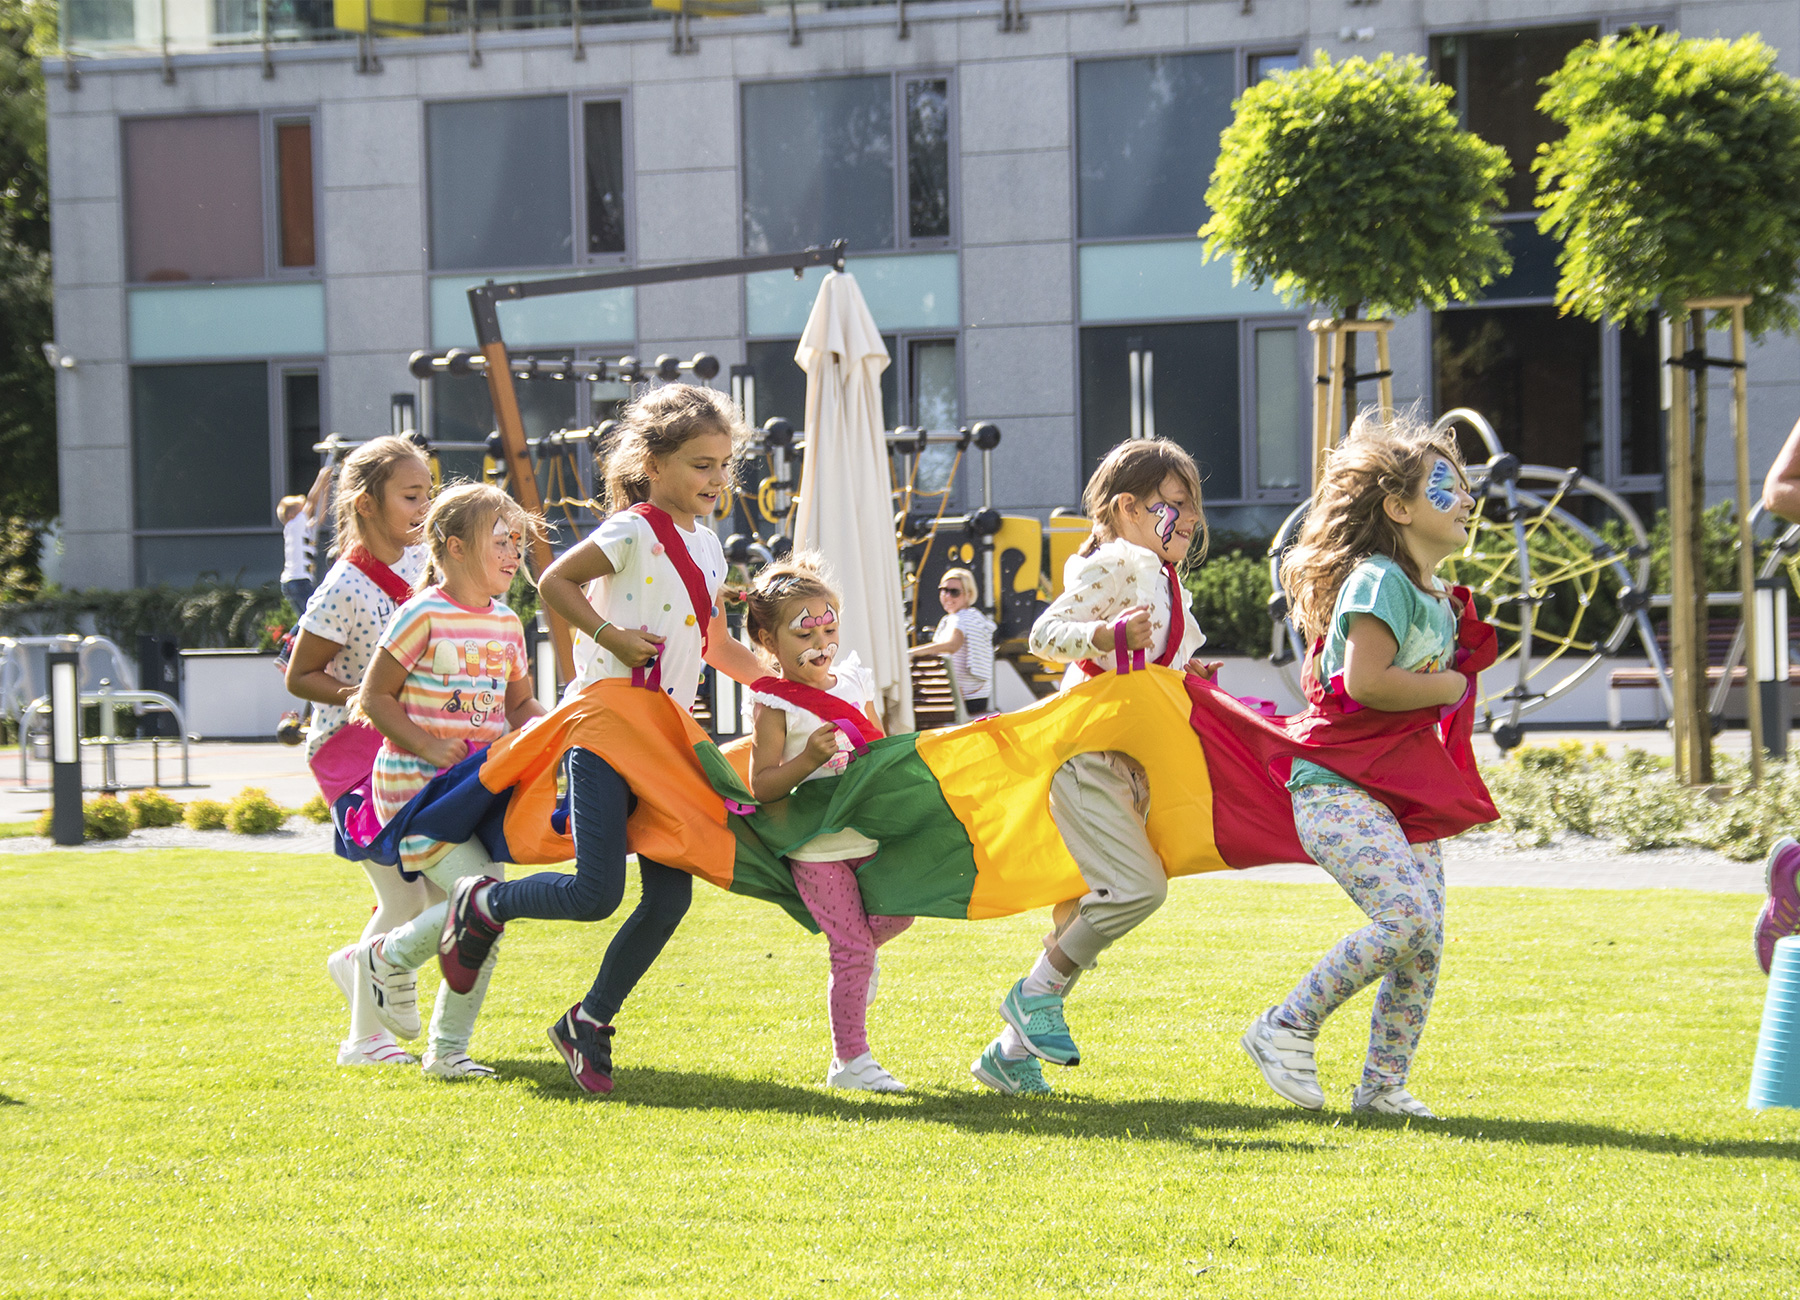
{"x": 458, "y": 662}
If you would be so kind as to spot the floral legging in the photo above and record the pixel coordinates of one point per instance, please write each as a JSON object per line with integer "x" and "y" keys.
{"x": 1401, "y": 888}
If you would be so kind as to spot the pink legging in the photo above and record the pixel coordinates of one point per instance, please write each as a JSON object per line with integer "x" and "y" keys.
{"x": 830, "y": 893}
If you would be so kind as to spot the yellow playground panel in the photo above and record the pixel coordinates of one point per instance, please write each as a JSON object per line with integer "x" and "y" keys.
{"x": 357, "y": 15}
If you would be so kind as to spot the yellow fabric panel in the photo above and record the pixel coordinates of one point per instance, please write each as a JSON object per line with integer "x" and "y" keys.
{"x": 995, "y": 775}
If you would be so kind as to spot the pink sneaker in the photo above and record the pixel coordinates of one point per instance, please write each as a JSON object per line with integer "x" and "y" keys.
{"x": 1780, "y": 916}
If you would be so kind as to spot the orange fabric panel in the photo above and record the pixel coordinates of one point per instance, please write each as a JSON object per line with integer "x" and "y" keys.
{"x": 678, "y": 821}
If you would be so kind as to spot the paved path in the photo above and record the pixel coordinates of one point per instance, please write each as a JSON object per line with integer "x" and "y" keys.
{"x": 220, "y": 770}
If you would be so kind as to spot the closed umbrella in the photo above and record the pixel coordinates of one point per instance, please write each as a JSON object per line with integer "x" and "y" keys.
{"x": 846, "y": 503}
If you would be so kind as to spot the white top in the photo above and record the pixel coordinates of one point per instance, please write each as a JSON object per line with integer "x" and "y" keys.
{"x": 973, "y": 665}
{"x": 351, "y": 610}
{"x": 646, "y": 594}
{"x": 1097, "y": 589}
{"x": 855, "y": 686}
{"x": 299, "y": 544}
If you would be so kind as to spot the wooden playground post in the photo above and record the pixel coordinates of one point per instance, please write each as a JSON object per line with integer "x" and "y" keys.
{"x": 1740, "y": 429}
{"x": 1330, "y": 361}
{"x": 1689, "y": 722}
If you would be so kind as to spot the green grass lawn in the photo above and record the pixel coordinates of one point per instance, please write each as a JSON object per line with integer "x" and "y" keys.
{"x": 17, "y": 830}
{"x": 171, "y": 1120}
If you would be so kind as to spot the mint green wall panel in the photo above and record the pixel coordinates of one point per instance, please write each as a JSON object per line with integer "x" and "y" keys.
{"x": 221, "y": 321}
{"x": 1165, "y": 280}
{"x": 596, "y": 316}
{"x": 916, "y": 291}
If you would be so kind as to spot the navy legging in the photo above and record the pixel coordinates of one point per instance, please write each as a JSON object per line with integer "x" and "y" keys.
{"x": 599, "y": 803}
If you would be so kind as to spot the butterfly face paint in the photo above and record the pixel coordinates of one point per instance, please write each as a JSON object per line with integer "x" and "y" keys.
{"x": 1166, "y": 516}
{"x": 1440, "y": 487}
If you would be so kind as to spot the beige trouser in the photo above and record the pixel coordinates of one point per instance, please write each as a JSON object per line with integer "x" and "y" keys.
{"x": 1099, "y": 803}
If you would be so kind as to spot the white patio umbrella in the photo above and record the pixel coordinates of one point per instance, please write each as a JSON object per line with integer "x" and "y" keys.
{"x": 846, "y": 508}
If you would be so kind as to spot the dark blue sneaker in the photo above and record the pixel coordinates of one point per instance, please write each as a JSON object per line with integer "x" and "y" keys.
{"x": 585, "y": 1046}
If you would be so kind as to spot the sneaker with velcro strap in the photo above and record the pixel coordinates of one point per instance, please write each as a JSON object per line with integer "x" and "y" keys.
{"x": 1389, "y": 1099}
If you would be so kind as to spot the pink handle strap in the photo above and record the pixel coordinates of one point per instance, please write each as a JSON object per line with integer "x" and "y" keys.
{"x": 649, "y": 675}
{"x": 1123, "y": 665}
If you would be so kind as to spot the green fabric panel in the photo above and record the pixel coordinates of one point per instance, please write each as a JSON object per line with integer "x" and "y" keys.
{"x": 926, "y": 864}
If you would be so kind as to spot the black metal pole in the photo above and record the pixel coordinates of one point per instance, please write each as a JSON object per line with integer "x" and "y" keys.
{"x": 65, "y": 746}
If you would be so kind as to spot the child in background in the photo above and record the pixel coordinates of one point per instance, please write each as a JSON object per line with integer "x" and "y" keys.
{"x": 449, "y": 676}
{"x": 299, "y": 517}
{"x": 640, "y": 592}
{"x": 1122, "y": 594}
{"x": 384, "y": 489}
{"x": 966, "y": 635}
{"x": 792, "y": 615}
{"x": 1393, "y": 504}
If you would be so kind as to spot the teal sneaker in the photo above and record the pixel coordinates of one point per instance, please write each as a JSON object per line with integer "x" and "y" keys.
{"x": 1040, "y": 1023}
{"x": 992, "y": 1069}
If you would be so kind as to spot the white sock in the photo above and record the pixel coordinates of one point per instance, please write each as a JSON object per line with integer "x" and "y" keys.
{"x": 1012, "y": 1046}
{"x": 1044, "y": 978}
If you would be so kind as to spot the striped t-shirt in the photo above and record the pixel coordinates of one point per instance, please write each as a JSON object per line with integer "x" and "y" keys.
{"x": 974, "y": 663}
{"x": 458, "y": 662}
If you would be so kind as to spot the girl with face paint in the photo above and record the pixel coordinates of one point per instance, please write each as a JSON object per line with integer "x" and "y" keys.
{"x": 1393, "y": 505}
{"x": 792, "y": 617}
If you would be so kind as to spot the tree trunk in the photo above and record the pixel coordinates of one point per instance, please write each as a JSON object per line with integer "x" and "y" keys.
{"x": 1350, "y": 369}
{"x": 1697, "y": 660}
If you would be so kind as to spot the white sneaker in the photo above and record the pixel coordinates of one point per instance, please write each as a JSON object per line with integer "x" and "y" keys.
{"x": 1285, "y": 1057}
{"x": 864, "y": 1074}
{"x": 341, "y": 966}
{"x": 455, "y": 1065}
{"x": 1389, "y": 1099}
{"x": 874, "y": 981}
{"x": 393, "y": 990}
{"x": 378, "y": 1048}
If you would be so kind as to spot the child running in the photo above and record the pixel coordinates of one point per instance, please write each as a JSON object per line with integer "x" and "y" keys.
{"x": 1393, "y": 505}
{"x": 808, "y": 718}
{"x": 448, "y": 676}
{"x": 1122, "y": 599}
{"x": 384, "y": 489}
{"x": 640, "y": 592}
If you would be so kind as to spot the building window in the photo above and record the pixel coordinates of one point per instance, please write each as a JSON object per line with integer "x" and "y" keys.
{"x": 603, "y": 154}
{"x": 294, "y": 191}
{"x": 302, "y": 428}
{"x": 462, "y": 413}
{"x": 194, "y": 198}
{"x": 821, "y": 159}
{"x": 1558, "y": 391}
{"x": 197, "y": 189}
{"x": 1147, "y": 137}
{"x": 190, "y": 425}
{"x": 1259, "y": 66}
{"x": 505, "y": 190}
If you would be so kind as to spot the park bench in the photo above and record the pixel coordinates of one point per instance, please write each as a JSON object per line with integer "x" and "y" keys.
{"x": 1719, "y": 635}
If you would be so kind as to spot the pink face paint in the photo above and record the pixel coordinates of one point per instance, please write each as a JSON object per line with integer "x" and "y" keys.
{"x": 804, "y": 622}
{"x": 1166, "y": 515}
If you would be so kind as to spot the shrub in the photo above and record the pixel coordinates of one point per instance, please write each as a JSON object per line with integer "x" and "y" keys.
{"x": 205, "y": 815}
{"x": 105, "y": 818}
{"x": 315, "y": 810}
{"x": 252, "y": 812}
{"x": 42, "y": 825}
{"x": 1231, "y": 602}
{"x": 152, "y": 808}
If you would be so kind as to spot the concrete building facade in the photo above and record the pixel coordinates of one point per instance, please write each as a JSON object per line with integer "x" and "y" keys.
{"x": 250, "y": 239}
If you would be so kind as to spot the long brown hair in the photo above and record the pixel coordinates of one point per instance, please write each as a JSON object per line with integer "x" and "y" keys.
{"x": 1138, "y": 468}
{"x": 365, "y": 473}
{"x": 1347, "y": 523}
{"x": 655, "y": 426}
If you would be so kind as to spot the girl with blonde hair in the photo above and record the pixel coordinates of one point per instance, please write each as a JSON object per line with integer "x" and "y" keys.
{"x": 1392, "y": 505}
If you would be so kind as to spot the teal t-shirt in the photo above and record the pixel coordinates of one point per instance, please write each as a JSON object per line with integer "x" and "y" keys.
{"x": 1423, "y": 626}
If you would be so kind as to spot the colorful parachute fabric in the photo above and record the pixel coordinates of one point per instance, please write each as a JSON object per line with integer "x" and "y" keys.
{"x": 962, "y": 813}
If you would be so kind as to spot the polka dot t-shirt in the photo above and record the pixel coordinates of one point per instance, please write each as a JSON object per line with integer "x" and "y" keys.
{"x": 645, "y": 593}
{"x": 350, "y": 610}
